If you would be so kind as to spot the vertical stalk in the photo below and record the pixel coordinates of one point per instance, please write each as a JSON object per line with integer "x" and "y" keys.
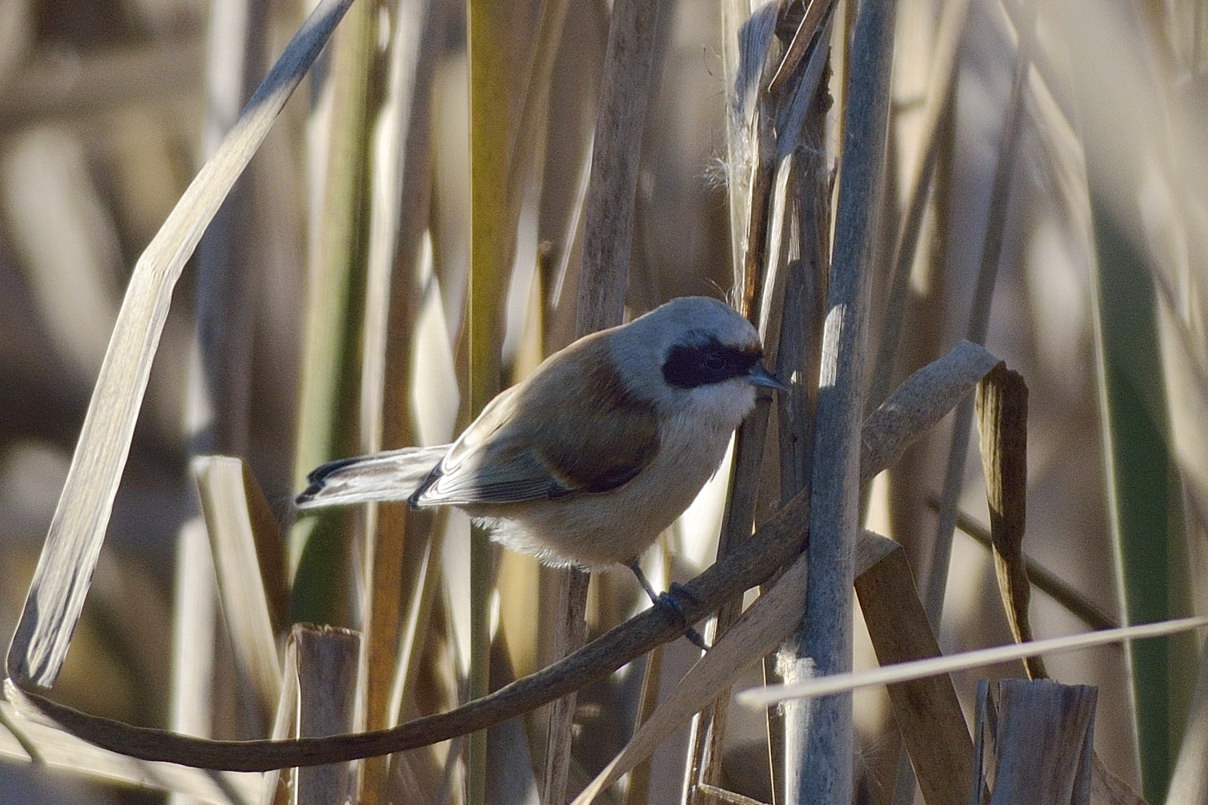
{"x": 490, "y": 119}
{"x": 819, "y": 732}
{"x": 333, "y": 320}
{"x": 979, "y": 321}
{"x": 607, "y": 242}
{"x": 611, "y": 199}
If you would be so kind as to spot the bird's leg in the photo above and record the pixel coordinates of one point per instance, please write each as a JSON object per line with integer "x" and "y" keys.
{"x": 669, "y": 602}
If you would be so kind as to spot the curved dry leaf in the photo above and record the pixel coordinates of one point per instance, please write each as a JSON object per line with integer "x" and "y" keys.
{"x": 922, "y": 400}
{"x": 58, "y": 749}
{"x": 77, "y": 530}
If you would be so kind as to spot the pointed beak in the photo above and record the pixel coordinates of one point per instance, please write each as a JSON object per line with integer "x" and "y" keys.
{"x": 759, "y": 376}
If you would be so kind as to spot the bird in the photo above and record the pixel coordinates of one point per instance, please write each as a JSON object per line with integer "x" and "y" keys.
{"x": 585, "y": 462}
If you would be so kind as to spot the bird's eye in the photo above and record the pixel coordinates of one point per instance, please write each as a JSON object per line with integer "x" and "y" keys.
{"x": 693, "y": 366}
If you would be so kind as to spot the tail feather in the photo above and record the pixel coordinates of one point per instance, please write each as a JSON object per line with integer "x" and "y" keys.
{"x": 388, "y": 476}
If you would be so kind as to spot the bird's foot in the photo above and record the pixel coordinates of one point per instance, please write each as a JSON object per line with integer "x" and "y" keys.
{"x": 670, "y": 602}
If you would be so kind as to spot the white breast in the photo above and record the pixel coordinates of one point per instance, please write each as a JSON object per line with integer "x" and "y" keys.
{"x": 597, "y": 531}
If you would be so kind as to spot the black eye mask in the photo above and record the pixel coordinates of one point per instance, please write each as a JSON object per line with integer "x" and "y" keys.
{"x": 691, "y": 366}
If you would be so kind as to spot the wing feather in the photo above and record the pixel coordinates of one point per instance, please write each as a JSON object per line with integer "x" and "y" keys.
{"x": 573, "y": 427}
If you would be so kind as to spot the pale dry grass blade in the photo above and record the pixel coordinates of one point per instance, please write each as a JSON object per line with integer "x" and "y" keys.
{"x": 279, "y": 783}
{"x": 399, "y": 217}
{"x": 573, "y": 234}
{"x": 528, "y": 150}
{"x": 570, "y": 632}
{"x": 416, "y": 627}
{"x": 419, "y": 774}
{"x": 227, "y": 501}
{"x": 193, "y": 632}
{"x": 77, "y": 530}
{"x": 64, "y": 752}
{"x": 904, "y": 672}
{"x": 714, "y": 794}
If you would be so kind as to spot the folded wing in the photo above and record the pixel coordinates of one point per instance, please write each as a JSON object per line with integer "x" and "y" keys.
{"x": 566, "y": 431}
